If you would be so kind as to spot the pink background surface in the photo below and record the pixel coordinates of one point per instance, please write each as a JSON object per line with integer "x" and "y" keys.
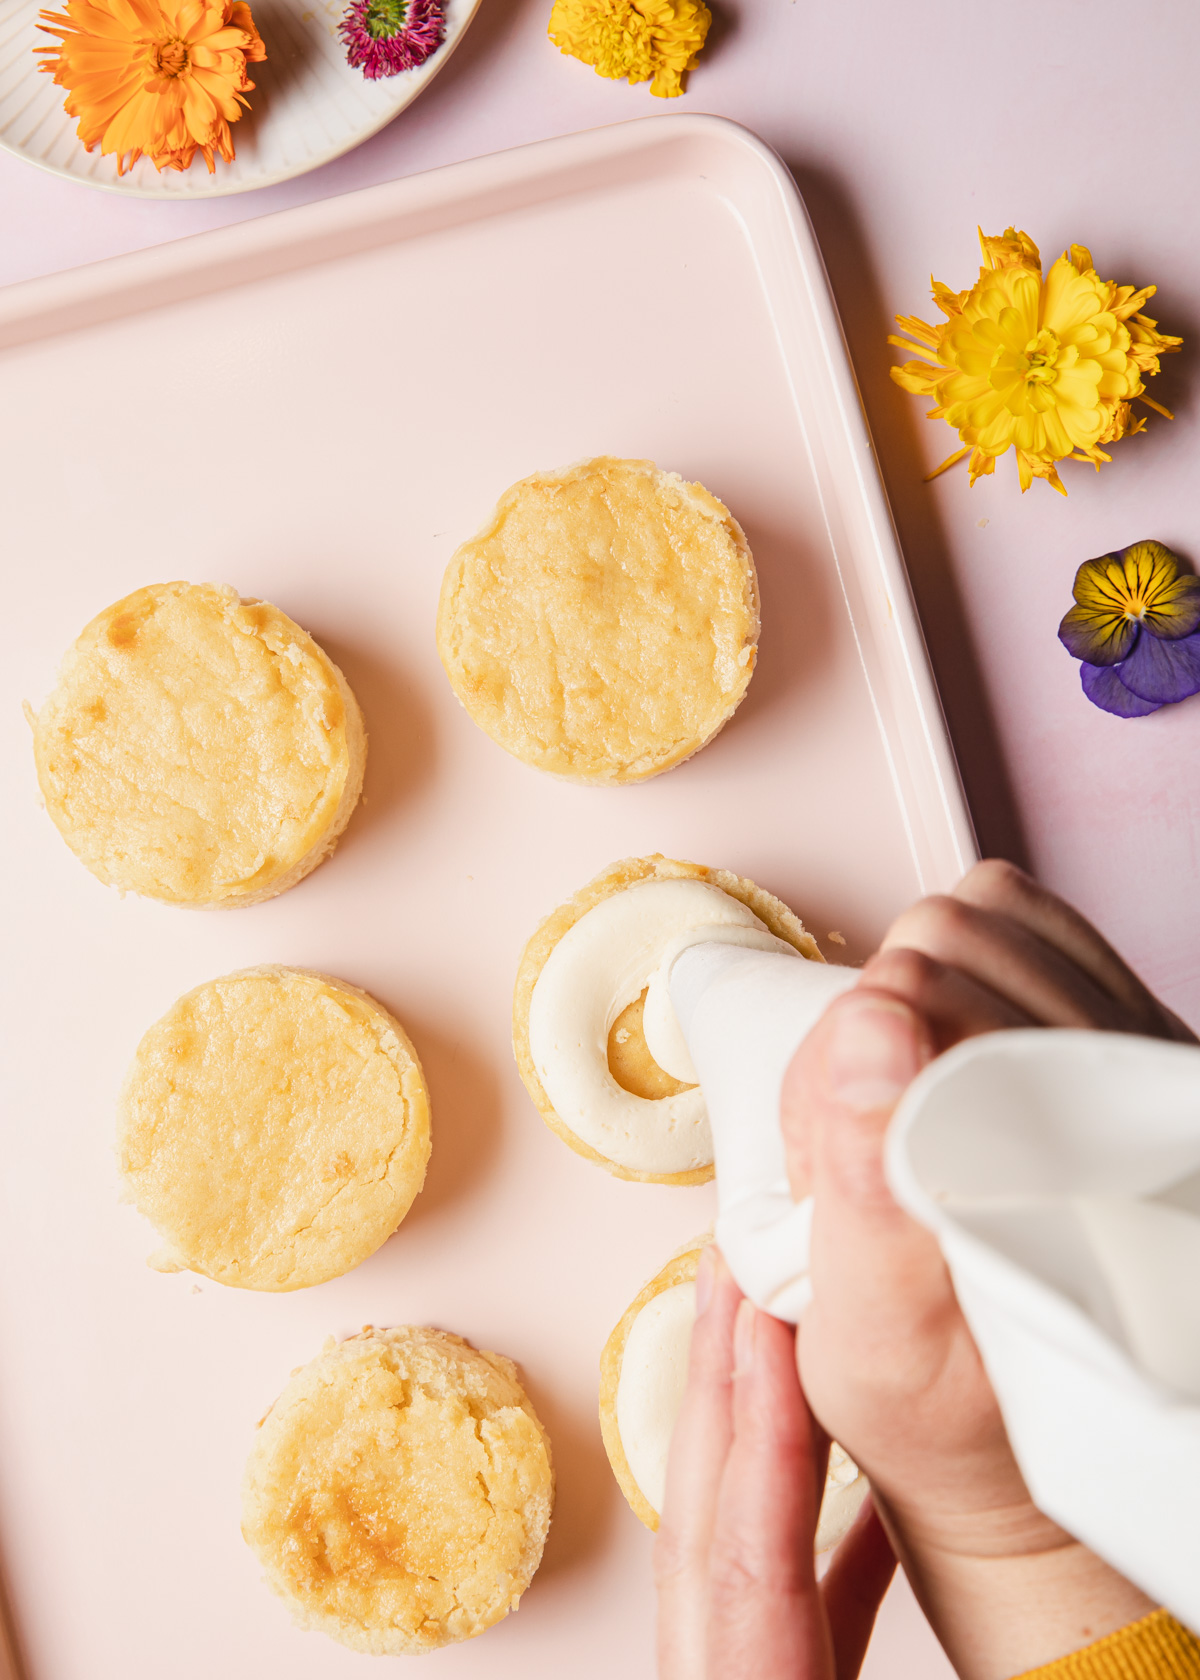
{"x": 905, "y": 127}
{"x": 903, "y": 132}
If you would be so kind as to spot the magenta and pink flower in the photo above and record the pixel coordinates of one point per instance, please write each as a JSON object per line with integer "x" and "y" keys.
{"x": 384, "y": 37}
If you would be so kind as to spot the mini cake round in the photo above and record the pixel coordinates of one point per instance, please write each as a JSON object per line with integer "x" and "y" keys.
{"x": 273, "y": 1128}
{"x": 643, "y": 1371}
{"x": 399, "y": 1492}
{"x": 199, "y": 748}
{"x": 578, "y": 1011}
{"x": 604, "y": 623}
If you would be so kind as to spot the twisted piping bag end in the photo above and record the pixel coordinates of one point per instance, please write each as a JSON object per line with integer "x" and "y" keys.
{"x": 740, "y": 1008}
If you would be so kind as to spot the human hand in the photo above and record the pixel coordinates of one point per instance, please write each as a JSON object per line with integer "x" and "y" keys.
{"x": 737, "y": 1589}
{"x": 1000, "y": 951}
{"x": 884, "y": 1352}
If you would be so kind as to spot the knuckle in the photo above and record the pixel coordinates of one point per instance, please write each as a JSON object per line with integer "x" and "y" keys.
{"x": 942, "y": 922}
{"x": 998, "y": 882}
{"x": 915, "y": 926}
{"x": 742, "y": 1568}
{"x": 903, "y": 969}
{"x": 944, "y": 911}
{"x": 732, "y": 1572}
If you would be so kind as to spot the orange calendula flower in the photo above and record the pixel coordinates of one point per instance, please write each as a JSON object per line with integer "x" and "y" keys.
{"x": 655, "y": 41}
{"x": 156, "y": 78}
{"x": 1045, "y": 366}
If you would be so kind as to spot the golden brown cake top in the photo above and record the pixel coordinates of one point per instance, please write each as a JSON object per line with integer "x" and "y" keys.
{"x": 274, "y": 1128}
{"x": 197, "y": 747}
{"x": 399, "y": 1491}
{"x": 603, "y": 625}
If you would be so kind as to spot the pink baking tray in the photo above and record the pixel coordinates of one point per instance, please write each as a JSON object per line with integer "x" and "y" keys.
{"x": 317, "y": 407}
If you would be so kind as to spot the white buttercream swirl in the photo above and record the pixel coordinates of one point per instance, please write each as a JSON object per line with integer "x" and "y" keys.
{"x": 597, "y": 969}
{"x": 650, "y": 1388}
{"x": 650, "y": 1392}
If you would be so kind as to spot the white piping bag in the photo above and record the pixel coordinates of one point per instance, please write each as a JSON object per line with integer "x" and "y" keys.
{"x": 1060, "y": 1173}
{"x": 743, "y": 1013}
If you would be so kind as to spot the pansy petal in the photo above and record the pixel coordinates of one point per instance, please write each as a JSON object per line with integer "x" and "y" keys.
{"x": 1101, "y": 639}
{"x": 1178, "y": 613}
{"x": 1105, "y": 689}
{"x": 1170, "y": 595}
{"x": 1100, "y": 584}
{"x": 1149, "y": 567}
{"x": 1163, "y": 671}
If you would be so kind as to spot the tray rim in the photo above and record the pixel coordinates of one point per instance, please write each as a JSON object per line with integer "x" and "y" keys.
{"x": 918, "y": 748}
{"x": 497, "y": 184}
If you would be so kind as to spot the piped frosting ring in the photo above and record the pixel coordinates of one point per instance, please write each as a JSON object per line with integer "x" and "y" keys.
{"x": 597, "y": 1047}
{"x": 643, "y": 1372}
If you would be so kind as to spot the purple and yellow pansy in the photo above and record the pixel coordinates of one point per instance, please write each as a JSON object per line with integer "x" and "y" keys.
{"x": 1135, "y": 628}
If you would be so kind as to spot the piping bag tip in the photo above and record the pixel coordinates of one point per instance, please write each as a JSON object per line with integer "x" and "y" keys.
{"x": 743, "y": 1010}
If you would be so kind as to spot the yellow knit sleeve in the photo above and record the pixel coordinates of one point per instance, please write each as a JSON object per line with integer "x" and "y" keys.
{"x": 1155, "y": 1648}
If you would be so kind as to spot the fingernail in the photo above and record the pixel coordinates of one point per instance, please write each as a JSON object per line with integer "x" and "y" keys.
{"x": 706, "y": 1276}
{"x": 745, "y": 1329}
{"x": 874, "y": 1054}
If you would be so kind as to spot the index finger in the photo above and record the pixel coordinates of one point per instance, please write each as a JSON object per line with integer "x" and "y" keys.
{"x": 699, "y": 1449}
{"x": 766, "y": 1615}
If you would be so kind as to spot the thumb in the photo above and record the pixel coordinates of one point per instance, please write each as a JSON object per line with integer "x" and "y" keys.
{"x": 868, "y": 1053}
{"x": 885, "y": 1355}
{"x": 872, "y": 1266}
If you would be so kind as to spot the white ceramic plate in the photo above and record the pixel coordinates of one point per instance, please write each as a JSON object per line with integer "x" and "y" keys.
{"x": 307, "y": 108}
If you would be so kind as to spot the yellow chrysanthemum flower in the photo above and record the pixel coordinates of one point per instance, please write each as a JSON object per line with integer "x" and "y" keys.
{"x": 159, "y": 77}
{"x": 639, "y": 39}
{"x": 1047, "y": 366}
